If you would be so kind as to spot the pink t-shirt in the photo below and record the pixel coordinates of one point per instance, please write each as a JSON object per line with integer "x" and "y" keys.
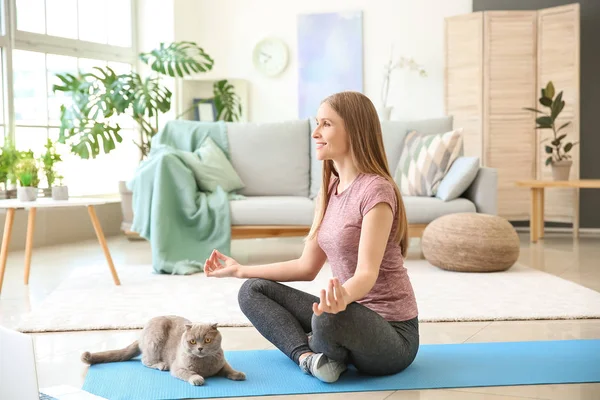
{"x": 392, "y": 297}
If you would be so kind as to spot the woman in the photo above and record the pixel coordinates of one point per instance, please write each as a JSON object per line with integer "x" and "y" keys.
{"x": 367, "y": 316}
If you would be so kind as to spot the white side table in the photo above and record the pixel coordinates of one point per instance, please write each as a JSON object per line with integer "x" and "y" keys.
{"x": 12, "y": 205}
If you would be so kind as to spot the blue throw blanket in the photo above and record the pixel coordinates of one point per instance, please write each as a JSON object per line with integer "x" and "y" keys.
{"x": 182, "y": 223}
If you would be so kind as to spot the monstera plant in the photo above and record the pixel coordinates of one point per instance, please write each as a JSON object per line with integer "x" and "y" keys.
{"x": 87, "y": 121}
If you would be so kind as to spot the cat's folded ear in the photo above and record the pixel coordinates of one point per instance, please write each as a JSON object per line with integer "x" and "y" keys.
{"x": 188, "y": 326}
{"x": 214, "y": 326}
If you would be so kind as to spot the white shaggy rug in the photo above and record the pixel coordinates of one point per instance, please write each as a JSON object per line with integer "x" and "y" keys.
{"x": 88, "y": 300}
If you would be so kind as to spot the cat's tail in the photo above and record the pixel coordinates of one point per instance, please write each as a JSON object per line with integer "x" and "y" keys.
{"x": 133, "y": 350}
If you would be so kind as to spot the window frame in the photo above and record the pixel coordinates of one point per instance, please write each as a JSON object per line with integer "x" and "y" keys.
{"x": 13, "y": 39}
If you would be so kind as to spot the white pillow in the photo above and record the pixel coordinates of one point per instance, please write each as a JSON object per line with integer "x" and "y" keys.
{"x": 459, "y": 177}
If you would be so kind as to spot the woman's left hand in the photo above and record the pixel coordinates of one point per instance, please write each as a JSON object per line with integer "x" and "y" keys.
{"x": 332, "y": 301}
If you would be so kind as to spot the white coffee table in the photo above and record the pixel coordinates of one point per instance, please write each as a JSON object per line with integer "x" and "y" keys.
{"x": 12, "y": 205}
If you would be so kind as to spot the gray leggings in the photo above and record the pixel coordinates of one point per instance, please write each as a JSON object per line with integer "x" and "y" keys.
{"x": 357, "y": 336}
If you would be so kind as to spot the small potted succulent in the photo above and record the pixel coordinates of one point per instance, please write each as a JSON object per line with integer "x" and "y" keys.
{"x": 557, "y": 151}
{"x": 48, "y": 160}
{"x": 26, "y": 172}
{"x": 60, "y": 191}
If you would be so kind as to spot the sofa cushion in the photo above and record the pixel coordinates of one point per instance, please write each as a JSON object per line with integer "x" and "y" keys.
{"x": 461, "y": 174}
{"x": 211, "y": 168}
{"x": 272, "y": 210}
{"x": 393, "y": 133}
{"x": 272, "y": 159}
{"x": 423, "y": 210}
{"x": 425, "y": 160}
{"x": 295, "y": 210}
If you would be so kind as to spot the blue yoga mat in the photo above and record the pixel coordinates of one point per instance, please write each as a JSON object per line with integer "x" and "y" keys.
{"x": 269, "y": 372}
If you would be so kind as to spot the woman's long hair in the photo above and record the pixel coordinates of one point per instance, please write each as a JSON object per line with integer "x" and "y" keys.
{"x": 366, "y": 146}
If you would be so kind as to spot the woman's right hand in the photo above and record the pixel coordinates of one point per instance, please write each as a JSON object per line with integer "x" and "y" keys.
{"x": 214, "y": 268}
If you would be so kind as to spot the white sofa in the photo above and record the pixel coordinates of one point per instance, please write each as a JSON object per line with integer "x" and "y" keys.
{"x": 276, "y": 162}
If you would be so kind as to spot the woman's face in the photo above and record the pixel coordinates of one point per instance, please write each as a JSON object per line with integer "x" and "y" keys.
{"x": 330, "y": 135}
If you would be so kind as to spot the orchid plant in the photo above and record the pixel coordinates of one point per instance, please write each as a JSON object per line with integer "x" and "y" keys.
{"x": 400, "y": 63}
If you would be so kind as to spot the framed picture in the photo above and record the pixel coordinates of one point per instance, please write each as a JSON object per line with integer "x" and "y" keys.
{"x": 330, "y": 57}
{"x": 205, "y": 110}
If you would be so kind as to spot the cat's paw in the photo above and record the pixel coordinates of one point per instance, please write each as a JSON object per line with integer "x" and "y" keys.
{"x": 86, "y": 357}
{"x": 237, "y": 376}
{"x": 196, "y": 380}
{"x": 161, "y": 366}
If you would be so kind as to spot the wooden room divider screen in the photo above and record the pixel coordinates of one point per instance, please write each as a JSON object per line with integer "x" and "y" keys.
{"x": 496, "y": 63}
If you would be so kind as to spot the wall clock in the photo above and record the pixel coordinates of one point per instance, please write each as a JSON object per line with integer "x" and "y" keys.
{"x": 270, "y": 56}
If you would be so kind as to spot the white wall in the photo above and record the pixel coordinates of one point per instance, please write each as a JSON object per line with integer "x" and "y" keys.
{"x": 155, "y": 24}
{"x": 229, "y": 29}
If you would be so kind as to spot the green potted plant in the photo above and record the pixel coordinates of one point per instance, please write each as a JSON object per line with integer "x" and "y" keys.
{"x": 86, "y": 123}
{"x": 8, "y": 160}
{"x": 227, "y": 103}
{"x": 3, "y": 177}
{"x": 60, "y": 191}
{"x": 49, "y": 160}
{"x": 559, "y": 148}
{"x": 27, "y": 171}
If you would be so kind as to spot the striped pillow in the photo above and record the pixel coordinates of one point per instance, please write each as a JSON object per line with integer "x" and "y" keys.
{"x": 425, "y": 160}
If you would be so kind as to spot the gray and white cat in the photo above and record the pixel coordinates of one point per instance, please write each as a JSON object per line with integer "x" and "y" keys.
{"x": 191, "y": 352}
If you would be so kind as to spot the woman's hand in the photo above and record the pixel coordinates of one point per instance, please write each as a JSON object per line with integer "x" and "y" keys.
{"x": 213, "y": 266}
{"x": 334, "y": 300}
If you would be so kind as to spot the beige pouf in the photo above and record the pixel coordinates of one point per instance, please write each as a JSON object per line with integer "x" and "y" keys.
{"x": 471, "y": 242}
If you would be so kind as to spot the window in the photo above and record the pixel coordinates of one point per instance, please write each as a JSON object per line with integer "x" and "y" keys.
{"x": 106, "y": 22}
{"x": 58, "y": 36}
{"x": 2, "y": 118}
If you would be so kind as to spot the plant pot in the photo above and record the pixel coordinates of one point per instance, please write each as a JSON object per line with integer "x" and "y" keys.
{"x": 27, "y": 193}
{"x": 60, "y": 193}
{"x": 561, "y": 170}
{"x": 46, "y": 192}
